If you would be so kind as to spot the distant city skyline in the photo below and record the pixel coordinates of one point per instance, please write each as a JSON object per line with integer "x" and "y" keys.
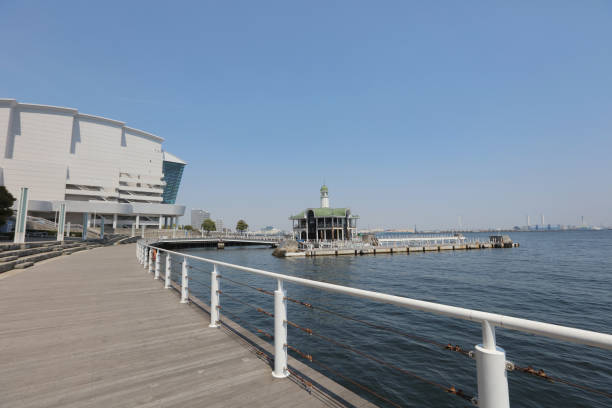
{"x": 411, "y": 113}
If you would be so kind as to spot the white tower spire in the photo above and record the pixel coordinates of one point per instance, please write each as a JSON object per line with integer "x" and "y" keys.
{"x": 324, "y": 197}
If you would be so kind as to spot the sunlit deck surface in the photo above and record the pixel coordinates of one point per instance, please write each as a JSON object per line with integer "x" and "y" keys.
{"x": 93, "y": 329}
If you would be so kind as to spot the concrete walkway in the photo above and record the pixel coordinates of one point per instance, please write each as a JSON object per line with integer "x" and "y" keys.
{"x": 93, "y": 329}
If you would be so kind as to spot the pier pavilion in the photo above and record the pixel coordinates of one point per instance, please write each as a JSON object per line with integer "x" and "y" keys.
{"x": 325, "y": 223}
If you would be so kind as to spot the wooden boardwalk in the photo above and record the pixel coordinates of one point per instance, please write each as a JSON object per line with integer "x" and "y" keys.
{"x": 93, "y": 329}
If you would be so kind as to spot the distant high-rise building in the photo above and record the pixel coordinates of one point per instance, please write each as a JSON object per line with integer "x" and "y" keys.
{"x": 198, "y": 217}
{"x": 219, "y": 224}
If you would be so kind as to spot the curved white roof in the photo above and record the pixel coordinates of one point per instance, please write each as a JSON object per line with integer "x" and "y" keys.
{"x": 75, "y": 112}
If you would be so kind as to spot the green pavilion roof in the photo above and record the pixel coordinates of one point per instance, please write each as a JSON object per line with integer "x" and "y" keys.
{"x": 323, "y": 212}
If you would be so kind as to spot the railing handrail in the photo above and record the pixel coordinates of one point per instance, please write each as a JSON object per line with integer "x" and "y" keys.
{"x": 580, "y": 336}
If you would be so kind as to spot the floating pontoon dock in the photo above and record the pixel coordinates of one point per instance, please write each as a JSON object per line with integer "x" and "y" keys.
{"x": 402, "y": 245}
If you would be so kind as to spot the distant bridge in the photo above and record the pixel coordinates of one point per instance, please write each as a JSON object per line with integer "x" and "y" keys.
{"x": 218, "y": 242}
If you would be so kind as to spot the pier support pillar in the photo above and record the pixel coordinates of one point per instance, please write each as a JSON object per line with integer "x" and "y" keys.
{"x": 85, "y": 224}
{"x": 214, "y": 298}
{"x": 491, "y": 371}
{"x": 280, "y": 333}
{"x": 185, "y": 283}
{"x": 21, "y": 218}
{"x": 114, "y": 222}
{"x": 61, "y": 222}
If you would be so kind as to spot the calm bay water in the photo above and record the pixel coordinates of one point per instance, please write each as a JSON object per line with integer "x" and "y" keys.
{"x": 555, "y": 277}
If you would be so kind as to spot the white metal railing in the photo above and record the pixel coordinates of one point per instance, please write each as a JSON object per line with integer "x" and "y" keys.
{"x": 490, "y": 358}
{"x": 153, "y": 232}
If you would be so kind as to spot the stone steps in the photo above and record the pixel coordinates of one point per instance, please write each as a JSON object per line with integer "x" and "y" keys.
{"x": 19, "y": 256}
{"x": 36, "y": 250}
{"x": 23, "y": 265}
{"x": 24, "y": 258}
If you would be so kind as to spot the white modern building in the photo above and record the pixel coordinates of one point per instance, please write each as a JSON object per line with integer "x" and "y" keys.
{"x": 198, "y": 217}
{"x": 92, "y": 164}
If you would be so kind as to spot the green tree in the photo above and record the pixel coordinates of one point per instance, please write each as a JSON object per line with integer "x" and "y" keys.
{"x": 242, "y": 226}
{"x": 188, "y": 227}
{"x": 209, "y": 225}
{"x": 6, "y": 202}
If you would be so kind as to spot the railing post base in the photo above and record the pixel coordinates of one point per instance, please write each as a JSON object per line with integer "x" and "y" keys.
{"x": 280, "y": 333}
{"x": 491, "y": 371}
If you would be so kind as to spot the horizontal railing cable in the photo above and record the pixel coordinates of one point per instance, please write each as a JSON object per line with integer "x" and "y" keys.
{"x": 191, "y": 279}
{"x": 257, "y": 308}
{"x": 387, "y": 364}
{"x": 344, "y": 377}
{"x": 198, "y": 269}
{"x": 540, "y": 373}
{"x": 267, "y": 292}
{"x": 411, "y": 336}
{"x": 242, "y": 321}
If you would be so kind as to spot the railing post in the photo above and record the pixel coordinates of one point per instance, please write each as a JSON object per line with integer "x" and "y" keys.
{"x": 145, "y": 264}
{"x": 491, "y": 371}
{"x": 185, "y": 283}
{"x": 150, "y": 260}
{"x": 157, "y": 265}
{"x": 280, "y": 333}
{"x": 168, "y": 271}
{"x": 214, "y": 297}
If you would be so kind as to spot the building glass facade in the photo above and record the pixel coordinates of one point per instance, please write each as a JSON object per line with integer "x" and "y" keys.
{"x": 173, "y": 172}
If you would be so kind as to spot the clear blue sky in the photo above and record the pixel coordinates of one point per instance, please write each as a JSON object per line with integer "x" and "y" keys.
{"x": 413, "y": 112}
